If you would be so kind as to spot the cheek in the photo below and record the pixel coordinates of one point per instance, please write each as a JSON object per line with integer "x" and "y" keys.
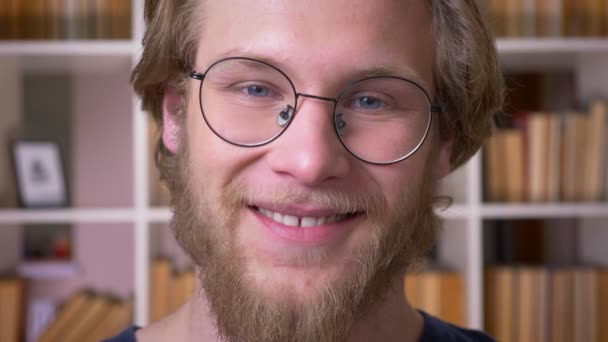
{"x": 403, "y": 180}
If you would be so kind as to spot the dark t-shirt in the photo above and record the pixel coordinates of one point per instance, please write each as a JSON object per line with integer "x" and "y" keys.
{"x": 434, "y": 330}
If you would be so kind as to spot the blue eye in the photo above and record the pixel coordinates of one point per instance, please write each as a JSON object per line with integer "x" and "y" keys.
{"x": 257, "y": 91}
{"x": 369, "y": 102}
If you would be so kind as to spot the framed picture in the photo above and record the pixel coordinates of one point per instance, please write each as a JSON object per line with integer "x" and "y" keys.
{"x": 41, "y": 181}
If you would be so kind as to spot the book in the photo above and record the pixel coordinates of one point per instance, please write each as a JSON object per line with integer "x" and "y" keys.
{"x": 97, "y": 308}
{"x": 561, "y": 242}
{"x": 12, "y": 311}
{"x": 160, "y": 287}
{"x": 527, "y": 306}
{"x": 561, "y": 304}
{"x": 412, "y": 290}
{"x": 585, "y": 304}
{"x": 595, "y": 17}
{"x": 574, "y": 137}
{"x": 71, "y": 311}
{"x": 499, "y": 308}
{"x": 537, "y": 138}
{"x": 548, "y": 18}
{"x": 182, "y": 288}
{"x": 54, "y": 20}
{"x": 13, "y": 12}
{"x": 495, "y": 174}
{"x": 542, "y": 291}
{"x": 513, "y": 152}
{"x": 595, "y": 151}
{"x": 514, "y": 18}
{"x": 528, "y": 20}
{"x": 430, "y": 292}
{"x": 117, "y": 319}
{"x": 554, "y": 155}
{"x": 453, "y": 299}
{"x": 120, "y": 12}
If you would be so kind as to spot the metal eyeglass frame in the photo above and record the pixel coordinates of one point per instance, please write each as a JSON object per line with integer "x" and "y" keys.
{"x": 433, "y": 108}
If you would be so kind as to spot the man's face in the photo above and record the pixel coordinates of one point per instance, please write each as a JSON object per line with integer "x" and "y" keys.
{"x": 364, "y": 217}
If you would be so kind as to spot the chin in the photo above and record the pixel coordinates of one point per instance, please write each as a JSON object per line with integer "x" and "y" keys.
{"x": 302, "y": 279}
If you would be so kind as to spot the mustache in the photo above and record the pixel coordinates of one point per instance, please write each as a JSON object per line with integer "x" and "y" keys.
{"x": 237, "y": 193}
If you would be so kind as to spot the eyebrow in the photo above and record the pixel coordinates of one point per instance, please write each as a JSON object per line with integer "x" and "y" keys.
{"x": 280, "y": 62}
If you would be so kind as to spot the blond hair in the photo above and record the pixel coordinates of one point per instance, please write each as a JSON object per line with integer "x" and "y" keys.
{"x": 466, "y": 70}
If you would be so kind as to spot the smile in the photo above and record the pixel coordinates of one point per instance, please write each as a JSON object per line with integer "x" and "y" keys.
{"x": 303, "y": 221}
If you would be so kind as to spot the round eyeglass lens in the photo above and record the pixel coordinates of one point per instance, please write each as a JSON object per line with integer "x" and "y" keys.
{"x": 246, "y": 102}
{"x": 382, "y": 120}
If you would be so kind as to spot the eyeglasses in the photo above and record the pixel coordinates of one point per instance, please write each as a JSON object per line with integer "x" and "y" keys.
{"x": 379, "y": 120}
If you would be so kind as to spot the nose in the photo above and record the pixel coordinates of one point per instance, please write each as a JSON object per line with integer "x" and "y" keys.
{"x": 309, "y": 151}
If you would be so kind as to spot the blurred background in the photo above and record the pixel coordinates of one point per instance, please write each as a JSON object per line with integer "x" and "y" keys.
{"x": 84, "y": 221}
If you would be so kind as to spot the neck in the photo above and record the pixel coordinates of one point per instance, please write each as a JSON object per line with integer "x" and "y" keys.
{"x": 393, "y": 319}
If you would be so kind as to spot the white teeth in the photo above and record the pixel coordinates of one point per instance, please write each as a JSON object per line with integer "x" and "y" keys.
{"x": 289, "y": 220}
{"x": 277, "y": 217}
{"x": 306, "y": 221}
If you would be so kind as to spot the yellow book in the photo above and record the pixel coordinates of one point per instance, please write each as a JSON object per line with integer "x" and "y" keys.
{"x": 160, "y": 287}
{"x": 430, "y": 292}
{"x": 68, "y": 313}
{"x": 597, "y": 126}
{"x": 585, "y": 305}
{"x": 513, "y": 161}
{"x": 11, "y": 310}
{"x": 527, "y": 326}
{"x": 118, "y": 318}
{"x": 538, "y": 138}
{"x": 561, "y": 317}
{"x": 96, "y": 310}
{"x": 412, "y": 290}
{"x": 499, "y": 303}
{"x": 453, "y": 298}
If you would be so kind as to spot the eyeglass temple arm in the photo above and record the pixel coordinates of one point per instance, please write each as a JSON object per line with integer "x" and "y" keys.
{"x": 436, "y": 109}
{"x": 197, "y": 76}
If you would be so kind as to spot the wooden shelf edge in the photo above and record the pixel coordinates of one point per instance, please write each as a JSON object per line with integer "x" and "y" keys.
{"x": 558, "y": 210}
{"x": 552, "y": 45}
{"x": 97, "y": 215}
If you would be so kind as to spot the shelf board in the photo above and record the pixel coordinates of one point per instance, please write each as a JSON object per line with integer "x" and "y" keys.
{"x": 67, "y": 48}
{"x": 454, "y": 212}
{"x": 70, "y": 56}
{"x": 44, "y": 270}
{"x": 530, "y": 46}
{"x": 159, "y": 215}
{"x": 110, "y": 215}
{"x": 547, "y": 54}
{"x": 560, "y": 210}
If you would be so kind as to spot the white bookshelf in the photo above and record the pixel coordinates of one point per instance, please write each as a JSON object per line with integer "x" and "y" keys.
{"x": 587, "y": 58}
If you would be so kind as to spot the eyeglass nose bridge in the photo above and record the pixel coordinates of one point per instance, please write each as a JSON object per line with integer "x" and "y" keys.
{"x": 322, "y": 98}
{"x": 338, "y": 122}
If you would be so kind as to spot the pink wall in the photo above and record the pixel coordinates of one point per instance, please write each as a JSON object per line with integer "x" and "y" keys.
{"x": 102, "y": 169}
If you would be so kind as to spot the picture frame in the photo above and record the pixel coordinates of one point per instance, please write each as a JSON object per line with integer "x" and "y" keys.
{"x": 40, "y": 177}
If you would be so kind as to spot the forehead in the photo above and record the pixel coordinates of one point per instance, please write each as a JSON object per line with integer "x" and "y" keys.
{"x": 314, "y": 39}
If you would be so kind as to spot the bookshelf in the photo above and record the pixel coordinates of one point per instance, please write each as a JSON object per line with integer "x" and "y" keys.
{"x": 101, "y": 64}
